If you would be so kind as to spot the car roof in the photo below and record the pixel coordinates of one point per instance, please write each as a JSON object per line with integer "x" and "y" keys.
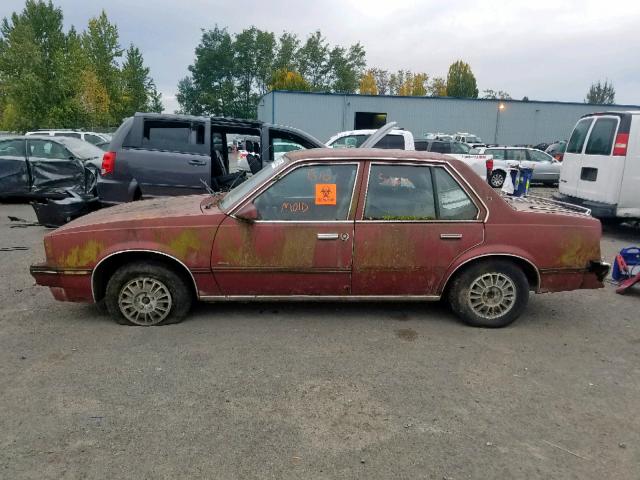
{"x": 367, "y": 154}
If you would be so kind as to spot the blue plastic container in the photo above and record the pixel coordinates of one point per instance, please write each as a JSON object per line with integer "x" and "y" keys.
{"x": 631, "y": 256}
{"x": 521, "y": 186}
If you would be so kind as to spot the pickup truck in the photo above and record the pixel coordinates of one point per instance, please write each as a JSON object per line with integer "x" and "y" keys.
{"x": 395, "y": 138}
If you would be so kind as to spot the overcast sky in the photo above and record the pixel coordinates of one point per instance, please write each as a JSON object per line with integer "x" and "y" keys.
{"x": 544, "y": 49}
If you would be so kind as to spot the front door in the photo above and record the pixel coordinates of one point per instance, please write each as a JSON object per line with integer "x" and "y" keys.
{"x": 416, "y": 220}
{"x": 303, "y": 241}
{"x": 53, "y": 168}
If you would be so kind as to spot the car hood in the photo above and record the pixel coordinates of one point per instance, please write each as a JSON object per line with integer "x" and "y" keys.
{"x": 154, "y": 212}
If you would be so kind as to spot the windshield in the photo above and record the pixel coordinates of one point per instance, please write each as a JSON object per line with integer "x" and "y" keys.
{"x": 243, "y": 189}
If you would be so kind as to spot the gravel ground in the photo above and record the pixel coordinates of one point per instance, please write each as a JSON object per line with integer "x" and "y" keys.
{"x": 316, "y": 391}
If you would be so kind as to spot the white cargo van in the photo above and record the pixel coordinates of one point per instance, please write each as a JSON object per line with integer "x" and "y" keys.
{"x": 601, "y": 167}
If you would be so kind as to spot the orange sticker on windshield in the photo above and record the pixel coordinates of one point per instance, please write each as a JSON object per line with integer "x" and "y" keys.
{"x": 325, "y": 193}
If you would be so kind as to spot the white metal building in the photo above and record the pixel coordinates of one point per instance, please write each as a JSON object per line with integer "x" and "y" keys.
{"x": 516, "y": 122}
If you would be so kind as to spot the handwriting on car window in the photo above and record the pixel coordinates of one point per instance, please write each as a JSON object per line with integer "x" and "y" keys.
{"x": 294, "y": 207}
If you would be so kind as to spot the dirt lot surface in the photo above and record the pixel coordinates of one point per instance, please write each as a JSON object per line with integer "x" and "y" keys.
{"x": 316, "y": 391}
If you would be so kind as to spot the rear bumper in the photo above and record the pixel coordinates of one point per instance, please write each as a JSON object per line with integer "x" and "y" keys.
{"x": 600, "y": 269}
{"x": 568, "y": 279}
{"x": 67, "y": 285}
{"x": 598, "y": 209}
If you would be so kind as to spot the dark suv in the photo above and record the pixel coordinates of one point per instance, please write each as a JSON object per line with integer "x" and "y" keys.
{"x": 153, "y": 154}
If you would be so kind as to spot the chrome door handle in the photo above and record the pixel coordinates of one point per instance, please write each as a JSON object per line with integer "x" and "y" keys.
{"x": 197, "y": 162}
{"x": 451, "y": 236}
{"x": 328, "y": 236}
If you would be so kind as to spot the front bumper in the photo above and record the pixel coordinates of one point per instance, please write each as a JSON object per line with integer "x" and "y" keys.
{"x": 67, "y": 285}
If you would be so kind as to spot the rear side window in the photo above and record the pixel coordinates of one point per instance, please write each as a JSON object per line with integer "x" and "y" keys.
{"x": 601, "y": 138}
{"x": 517, "y": 155}
{"x": 67, "y": 134}
{"x": 498, "y": 153}
{"x": 576, "y": 142}
{"x": 391, "y": 142}
{"x": 93, "y": 138}
{"x": 173, "y": 136}
{"x": 441, "y": 147}
{"x": 421, "y": 145}
{"x": 12, "y": 148}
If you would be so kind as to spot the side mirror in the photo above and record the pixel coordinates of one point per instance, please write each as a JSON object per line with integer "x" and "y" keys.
{"x": 248, "y": 213}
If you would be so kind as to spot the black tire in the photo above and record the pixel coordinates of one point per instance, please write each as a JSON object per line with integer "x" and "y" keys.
{"x": 496, "y": 179}
{"x": 170, "y": 305}
{"x": 467, "y": 304}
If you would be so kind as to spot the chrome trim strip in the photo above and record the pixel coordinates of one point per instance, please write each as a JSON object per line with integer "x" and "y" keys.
{"x": 319, "y": 298}
{"x": 444, "y": 283}
{"x": 55, "y": 271}
{"x": 450, "y": 236}
{"x": 93, "y": 294}
{"x": 256, "y": 270}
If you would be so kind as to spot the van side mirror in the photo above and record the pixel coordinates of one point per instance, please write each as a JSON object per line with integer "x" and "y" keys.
{"x": 248, "y": 213}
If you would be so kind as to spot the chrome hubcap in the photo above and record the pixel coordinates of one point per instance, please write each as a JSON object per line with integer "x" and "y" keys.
{"x": 496, "y": 180}
{"x": 492, "y": 295}
{"x": 145, "y": 301}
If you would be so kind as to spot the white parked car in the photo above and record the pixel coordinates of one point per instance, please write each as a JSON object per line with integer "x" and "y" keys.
{"x": 91, "y": 137}
{"x": 394, "y": 139}
{"x": 546, "y": 169}
{"x": 472, "y": 140}
{"x": 601, "y": 166}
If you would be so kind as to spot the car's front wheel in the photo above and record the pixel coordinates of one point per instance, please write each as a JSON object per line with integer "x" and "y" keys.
{"x": 489, "y": 294}
{"x": 496, "y": 180}
{"x": 147, "y": 294}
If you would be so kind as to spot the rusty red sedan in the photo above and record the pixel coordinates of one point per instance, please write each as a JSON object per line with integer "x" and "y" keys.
{"x": 334, "y": 225}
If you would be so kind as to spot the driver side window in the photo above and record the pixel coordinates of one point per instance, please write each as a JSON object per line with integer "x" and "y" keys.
{"x": 309, "y": 193}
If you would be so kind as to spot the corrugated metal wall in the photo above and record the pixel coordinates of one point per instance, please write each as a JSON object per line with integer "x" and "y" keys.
{"x": 323, "y": 115}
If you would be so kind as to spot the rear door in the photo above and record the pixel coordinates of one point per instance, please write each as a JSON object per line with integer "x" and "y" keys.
{"x": 571, "y": 163}
{"x": 415, "y": 220}
{"x": 14, "y": 172}
{"x": 599, "y": 171}
{"x": 174, "y": 157}
{"x": 546, "y": 168}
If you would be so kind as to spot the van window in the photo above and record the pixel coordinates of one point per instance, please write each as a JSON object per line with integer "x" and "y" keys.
{"x": 578, "y": 136}
{"x": 602, "y": 135}
{"x": 173, "y": 136}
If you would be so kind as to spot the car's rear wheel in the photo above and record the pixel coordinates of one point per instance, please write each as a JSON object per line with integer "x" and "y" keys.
{"x": 147, "y": 294}
{"x": 496, "y": 180}
{"x": 489, "y": 294}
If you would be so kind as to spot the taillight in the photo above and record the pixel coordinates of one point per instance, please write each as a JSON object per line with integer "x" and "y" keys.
{"x": 108, "y": 162}
{"x": 489, "y": 164}
{"x": 620, "y": 146}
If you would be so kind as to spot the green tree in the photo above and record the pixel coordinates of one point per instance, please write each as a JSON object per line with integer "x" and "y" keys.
{"x": 254, "y": 53}
{"x": 437, "y": 87}
{"x": 102, "y": 47}
{"x": 495, "y": 95}
{"x": 30, "y": 43}
{"x": 288, "y": 80}
{"x": 601, "y": 93}
{"x": 287, "y": 50}
{"x": 313, "y": 61}
{"x": 211, "y": 90}
{"x": 382, "y": 80}
{"x": 368, "y": 84}
{"x": 460, "y": 81}
{"x": 346, "y": 67}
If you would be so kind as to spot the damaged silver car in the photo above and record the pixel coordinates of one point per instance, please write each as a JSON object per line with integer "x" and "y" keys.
{"x": 59, "y": 173}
